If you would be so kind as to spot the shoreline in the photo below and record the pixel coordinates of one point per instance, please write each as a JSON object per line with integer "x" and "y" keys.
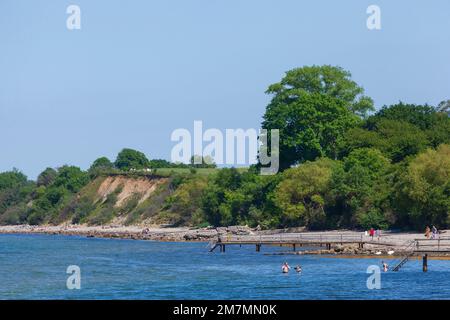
{"x": 117, "y": 232}
{"x": 186, "y": 234}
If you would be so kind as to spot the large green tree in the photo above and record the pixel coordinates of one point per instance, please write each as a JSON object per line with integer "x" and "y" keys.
{"x": 359, "y": 189}
{"x": 99, "y": 166}
{"x": 11, "y": 179}
{"x": 423, "y": 192}
{"x": 128, "y": 159}
{"x": 434, "y": 123}
{"x": 313, "y": 107}
{"x": 400, "y": 131}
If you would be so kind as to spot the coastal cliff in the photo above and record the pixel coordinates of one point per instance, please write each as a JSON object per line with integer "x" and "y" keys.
{"x": 110, "y": 199}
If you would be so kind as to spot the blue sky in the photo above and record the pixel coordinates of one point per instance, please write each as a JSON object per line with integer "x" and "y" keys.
{"x": 137, "y": 70}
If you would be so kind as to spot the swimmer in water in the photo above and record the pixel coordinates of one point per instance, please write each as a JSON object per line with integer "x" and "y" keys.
{"x": 385, "y": 266}
{"x": 298, "y": 268}
{"x": 285, "y": 268}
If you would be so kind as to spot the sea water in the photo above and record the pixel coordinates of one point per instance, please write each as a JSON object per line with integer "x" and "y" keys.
{"x": 35, "y": 267}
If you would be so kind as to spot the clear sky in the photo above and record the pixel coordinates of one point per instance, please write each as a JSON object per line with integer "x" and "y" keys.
{"x": 139, "y": 69}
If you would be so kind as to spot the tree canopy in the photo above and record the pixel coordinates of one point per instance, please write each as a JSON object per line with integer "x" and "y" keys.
{"x": 128, "y": 159}
{"x": 313, "y": 107}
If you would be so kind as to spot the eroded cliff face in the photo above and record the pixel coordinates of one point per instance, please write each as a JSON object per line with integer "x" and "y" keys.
{"x": 118, "y": 200}
{"x": 127, "y": 188}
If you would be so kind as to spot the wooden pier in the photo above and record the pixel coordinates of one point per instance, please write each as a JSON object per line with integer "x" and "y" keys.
{"x": 297, "y": 240}
{"x": 410, "y": 248}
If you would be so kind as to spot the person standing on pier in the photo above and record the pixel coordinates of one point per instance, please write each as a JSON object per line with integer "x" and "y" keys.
{"x": 427, "y": 232}
{"x": 434, "y": 232}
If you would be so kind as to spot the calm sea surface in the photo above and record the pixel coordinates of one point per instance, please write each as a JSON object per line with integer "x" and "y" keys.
{"x": 34, "y": 267}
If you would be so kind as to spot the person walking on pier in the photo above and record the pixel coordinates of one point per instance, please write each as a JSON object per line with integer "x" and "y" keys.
{"x": 371, "y": 232}
{"x": 434, "y": 232}
{"x": 427, "y": 232}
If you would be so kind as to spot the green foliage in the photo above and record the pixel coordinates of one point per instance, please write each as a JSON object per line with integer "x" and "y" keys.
{"x": 14, "y": 215}
{"x": 421, "y": 116}
{"x": 82, "y": 209}
{"x": 103, "y": 216}
{"x": 53, "y": 195}
{"x": 15, "y": 191}
{"x": 303, "y": 192}
{"x": 12, "y": 179}
{"x": 423, "y": 190}
{"x": 128, "y": 159}
{"x": 313, "y": 107}
{"x": 102, "y": 162}
{"x": 71, "y": 178}
{"x": 186, "y": 200}
{"x": 131, "y": 203}
{"x": 400, "y": 131}
{"x": 240, "y": 198}
{"x": 373, "y": 219}
{"x": 198, "y": 161}
{"x": 356, "y": 187}
{"x": 160, "y": 163}
{"x": 47, "y": 177}
{"x": 399, "y": 140}
{"x": 100, "y": 166}
{"x": 324, "y": 80}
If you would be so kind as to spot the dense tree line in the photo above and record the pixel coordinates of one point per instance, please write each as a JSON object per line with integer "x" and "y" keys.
{"x": 343, "y": 165}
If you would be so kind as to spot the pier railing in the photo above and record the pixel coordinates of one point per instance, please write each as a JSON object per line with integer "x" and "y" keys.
{"x": 441, "y": 243}
{"x": 430, "y": 245}
{"x": 299, "y": 238}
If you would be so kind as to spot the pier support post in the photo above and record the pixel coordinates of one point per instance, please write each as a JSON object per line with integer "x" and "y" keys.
{"x": 425, "y": 263}
{"x": 222, "y": 248}
{"x": 293, "y": 246}
{"x": 258, "y": 247}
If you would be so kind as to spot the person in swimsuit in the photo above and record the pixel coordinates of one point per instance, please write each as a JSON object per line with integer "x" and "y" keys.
{"x": 385, "y": 266}
{"x": 298, "y": 268}
{"x": 285, "y": 268}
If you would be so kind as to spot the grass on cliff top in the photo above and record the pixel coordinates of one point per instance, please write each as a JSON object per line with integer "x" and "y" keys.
{"x": 168, "y": 172}
{"x": 199, "y": 171}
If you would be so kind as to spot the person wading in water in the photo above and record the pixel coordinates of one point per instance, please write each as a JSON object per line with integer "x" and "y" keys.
{"x": 285, "y": 268}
